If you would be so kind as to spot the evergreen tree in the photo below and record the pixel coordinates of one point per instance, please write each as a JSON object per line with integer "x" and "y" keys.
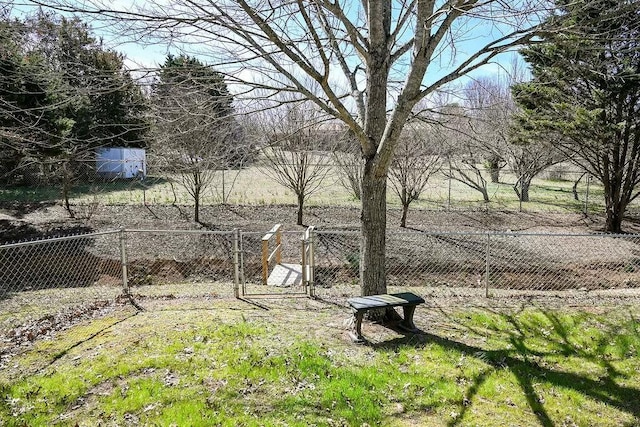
{"x": 585, "y": 94}
{"x": 191, "y": 74}
{"x": 63, "y": 95}
{"x": 25, "y": 98}
{"x": 91, "y": 87}
{"x": 195, "y": 132}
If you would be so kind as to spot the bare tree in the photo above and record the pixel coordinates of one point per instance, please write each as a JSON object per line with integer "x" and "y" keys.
{"x": 527, "y": 161}
{"x": 292, "y": 158}
{"x": 462, "y": 149}
{"x": 489, "y": 119}
{"x": 348, "y": 161}
{"x": 416, "y": 159}
{"x": 364, "y": 63}
{"x": 194, "y": 130}
{"x": 192, "y": 159}
{"x": 463, "y": 167}
{"x": 491, "y": 109}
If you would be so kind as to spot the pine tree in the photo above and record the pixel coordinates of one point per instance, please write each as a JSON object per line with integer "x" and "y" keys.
{"x": 585, "y": 95}
{"x": 195, "y": 132}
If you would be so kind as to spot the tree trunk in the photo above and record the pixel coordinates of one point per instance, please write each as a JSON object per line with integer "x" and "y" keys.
{"x": 575, "y": 187}
{"x": 521, "y": 187}
{"x": 372, "y": 239}
{"x": 196, "y": 209}
{"x": 485, "y": 194}
{"x": 173, "y": 190}
{"x": 524, "y": 192}
{"x": 197, "y": 193}
{"x": 65, "y": 197}
{"x": 494, "y": 170}
{"x": 495, "y": 175}
{"x": 405, "y": 210}
{"x": 300, "y": 205}
{"x": 614, "y": 222}
{"x": 373, "y": 218}
{"x": 615, "y": 214}
{"x": 66, "y": 189}
{"x": 405, "y": 206}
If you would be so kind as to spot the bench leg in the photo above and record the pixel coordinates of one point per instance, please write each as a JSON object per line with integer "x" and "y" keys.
{"x": 356, "y": 333}
{"x": 407, "y": 322}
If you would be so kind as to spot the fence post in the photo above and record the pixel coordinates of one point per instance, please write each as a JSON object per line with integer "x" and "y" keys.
{"x": 241, "y": 254}
{"x": 123, "y": 260}
{"x": 279, "y": 245}
{"x": 303, "y": 260}
{"x": 265, "y": 262}
{"x": 311, "y": 263}
{"x": 449, "y": 193}
{"x": 486, "y": 266}
{"x": 236, "y": 264}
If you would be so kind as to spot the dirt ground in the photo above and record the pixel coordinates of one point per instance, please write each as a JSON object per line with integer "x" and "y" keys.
{"x": 20, "y": 222}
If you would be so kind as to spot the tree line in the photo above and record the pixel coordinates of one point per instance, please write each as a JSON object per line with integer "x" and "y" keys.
{"x": 64, "y": 95}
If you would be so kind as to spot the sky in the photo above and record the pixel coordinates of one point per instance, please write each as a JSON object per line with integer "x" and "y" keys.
{"x": 140, "y": 57}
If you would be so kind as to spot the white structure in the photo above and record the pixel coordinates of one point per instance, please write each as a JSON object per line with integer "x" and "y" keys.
{"x": 119, "y": 162}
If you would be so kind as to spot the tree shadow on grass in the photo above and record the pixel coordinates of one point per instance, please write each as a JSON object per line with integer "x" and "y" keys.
{"x": 47, "y": 358}
{"x": 528, "y": 366}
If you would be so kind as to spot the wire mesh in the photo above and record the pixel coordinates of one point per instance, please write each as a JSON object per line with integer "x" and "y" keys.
{"x": 47, "y": 285}
{"x": 563, "y": 262}
{"x": 337, "y": 258}
{"x": 168, "y": 264}
{"x": 487, "y": 261}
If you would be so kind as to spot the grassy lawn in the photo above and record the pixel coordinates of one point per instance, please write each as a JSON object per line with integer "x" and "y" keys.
{"x": 290, "y": 362}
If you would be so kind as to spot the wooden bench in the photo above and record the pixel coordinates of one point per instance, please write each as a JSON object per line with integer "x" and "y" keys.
{"x": 360, "y": 305}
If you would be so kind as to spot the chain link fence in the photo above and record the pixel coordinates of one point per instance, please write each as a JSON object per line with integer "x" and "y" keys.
{"x": 49, "y": 285}
{"x": 52, "y": 284}
{"x": 488, "y": 261}
{"x": 191, "y": 266}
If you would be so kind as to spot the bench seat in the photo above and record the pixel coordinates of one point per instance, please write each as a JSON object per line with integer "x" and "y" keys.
{"x": 360, "y": 305}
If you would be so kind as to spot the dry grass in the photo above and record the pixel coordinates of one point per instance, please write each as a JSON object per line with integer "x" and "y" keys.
{"x": 252, "y": 186}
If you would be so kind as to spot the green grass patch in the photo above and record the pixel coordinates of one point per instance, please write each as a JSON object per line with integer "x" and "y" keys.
{"x": 218, "y": 367}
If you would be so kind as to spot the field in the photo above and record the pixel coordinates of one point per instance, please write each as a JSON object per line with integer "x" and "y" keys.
{"x": 551, "y": 192}
{"x": 255, "y": 202}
